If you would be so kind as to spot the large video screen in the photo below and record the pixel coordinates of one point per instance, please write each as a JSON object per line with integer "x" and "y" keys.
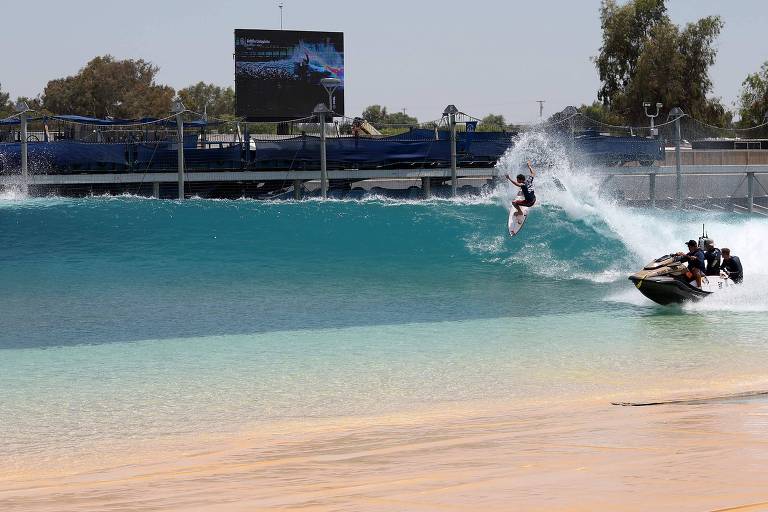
{"x": 278, "y": 72}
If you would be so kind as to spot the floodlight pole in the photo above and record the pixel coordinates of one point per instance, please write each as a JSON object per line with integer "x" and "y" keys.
{"x": 320, "y": 111}
{"x": 451, "y": 112}
{"x": 178, "y": 109}
{"x": 330, "y": 85}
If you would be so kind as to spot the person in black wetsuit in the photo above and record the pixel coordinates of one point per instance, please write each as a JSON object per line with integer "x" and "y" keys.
{"x": 695, "y": 259}
{"x": 732, "y": 266}
{"x": 526, "y": 186}
{"x": 712, "y": 256}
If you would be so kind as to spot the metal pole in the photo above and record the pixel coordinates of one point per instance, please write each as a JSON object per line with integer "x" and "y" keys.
{"x": 452, "y": 117}
{"x": 247, "y": 142}
{"x": 180, "y": 135}
{"x": 678, "y": 169}
{"x": 297, "y": 190}
{"x": 652, "y": 189}
{"x": 572, "y": 141}
{"x": 426, "y": 187}
{"x": 24, "y": 142}
{"x": 323, "y": 164}
{"x": 751, "y": 191}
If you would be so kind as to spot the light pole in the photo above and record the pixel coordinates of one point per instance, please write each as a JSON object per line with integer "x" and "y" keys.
{"x": 178, "y": 109}
{"x": 281, "y": 15}
{"x": 450, "y": 112}
{"x": 647, "y": 105}
{"x": 330, "y": 85}
{"x": 320, "y": 111}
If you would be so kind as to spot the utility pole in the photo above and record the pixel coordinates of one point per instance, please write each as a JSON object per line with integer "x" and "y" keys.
{"x": 541, "y": 108}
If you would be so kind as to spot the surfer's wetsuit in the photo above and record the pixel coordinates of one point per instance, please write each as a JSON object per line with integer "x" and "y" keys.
{"x": 529, "y": 196}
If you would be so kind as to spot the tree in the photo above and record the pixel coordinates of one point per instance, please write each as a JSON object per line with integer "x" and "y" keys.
{"x": 401, "y": 118}
{"x": 218, "y": 102}
{"x": 492, "y": 123}
{"x": 600, "y": 113}
{"x": 645, "y": 57}
{"x": 110, "y": 87}
{"x": 6, "y": 109}
{"x": 753, "y": 100}
{"x": 378, "y": 115}
{"x": 375, "y": 114}
{"x": 626, "y": 30}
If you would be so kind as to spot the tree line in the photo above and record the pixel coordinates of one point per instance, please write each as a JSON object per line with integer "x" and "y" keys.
{"x": 123, "y": 89}
{"x": 644, "y": 57}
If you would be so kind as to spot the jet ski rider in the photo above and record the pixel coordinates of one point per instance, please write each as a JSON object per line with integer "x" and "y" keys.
{"x": 695, "y": 259}
{"x": 712, "y": 256}
{"x": 732, "y": 266}
{"x": 526, "y": 186}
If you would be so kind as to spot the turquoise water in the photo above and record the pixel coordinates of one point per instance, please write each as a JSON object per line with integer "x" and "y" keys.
{"x": 126, "y": 318}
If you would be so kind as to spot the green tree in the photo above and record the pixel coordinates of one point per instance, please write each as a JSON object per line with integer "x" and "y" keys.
{"x": 401, "y": 118}
{"x": 600, "y": 113}
{"x": 645, "y": 57}
{"x": 753, "y": 100}
{"x": 218, "y": 102}
{"x": 378, "y": 115}
{"x": 110, "y": 87}
{"x": 375, "y": 114}
{"x": 626, "y": 30}
{"x": 6, "y": 109}
{"x": 492, "y": 123}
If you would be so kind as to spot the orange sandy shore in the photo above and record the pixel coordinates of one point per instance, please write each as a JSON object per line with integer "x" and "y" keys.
{"x": 706, "y": 456}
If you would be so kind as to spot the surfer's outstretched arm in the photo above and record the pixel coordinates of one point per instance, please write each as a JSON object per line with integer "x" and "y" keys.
{"x": 514, "y": 182}
{"x": 530, "y": 168}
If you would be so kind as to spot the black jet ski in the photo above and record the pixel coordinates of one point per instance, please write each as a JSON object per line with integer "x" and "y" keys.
{"x": 664, "y": 281}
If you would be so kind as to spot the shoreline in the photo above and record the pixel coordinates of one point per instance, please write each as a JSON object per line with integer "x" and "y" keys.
{"x": 537, "y": 458}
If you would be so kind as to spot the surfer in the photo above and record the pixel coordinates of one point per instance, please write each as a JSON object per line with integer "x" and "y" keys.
{"x": 526, "y": 186}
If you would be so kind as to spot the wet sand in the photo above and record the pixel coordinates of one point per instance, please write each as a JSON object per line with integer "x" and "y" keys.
{"x": 589, "y": 456}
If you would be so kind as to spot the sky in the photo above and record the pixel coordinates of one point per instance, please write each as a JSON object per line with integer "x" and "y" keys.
{"x": 484, "y": 56}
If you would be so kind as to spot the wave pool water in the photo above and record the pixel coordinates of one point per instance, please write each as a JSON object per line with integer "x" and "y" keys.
{"x": 126, "y": 319}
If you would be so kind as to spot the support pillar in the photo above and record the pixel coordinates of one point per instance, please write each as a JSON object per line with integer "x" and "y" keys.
{"x": 426, "y": 187}
{"x": 297, "y": 190}
{"x": 751, "y": 192}
{"x": 156, "y": 190}
{"x": 180, "y": 155}
{"x": 652, "y": 189}
{"x": 24, "y": 151}
{"x": 247, "y": 144}
{"x": 678, "y": 113}
{"x": 454, "y": 177}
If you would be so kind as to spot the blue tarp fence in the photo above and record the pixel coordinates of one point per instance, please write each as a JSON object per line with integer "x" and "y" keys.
{"x": 417, "y": 148}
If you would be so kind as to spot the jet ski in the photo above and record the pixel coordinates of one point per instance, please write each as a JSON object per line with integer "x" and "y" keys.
{"x": 664, "y": 281}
